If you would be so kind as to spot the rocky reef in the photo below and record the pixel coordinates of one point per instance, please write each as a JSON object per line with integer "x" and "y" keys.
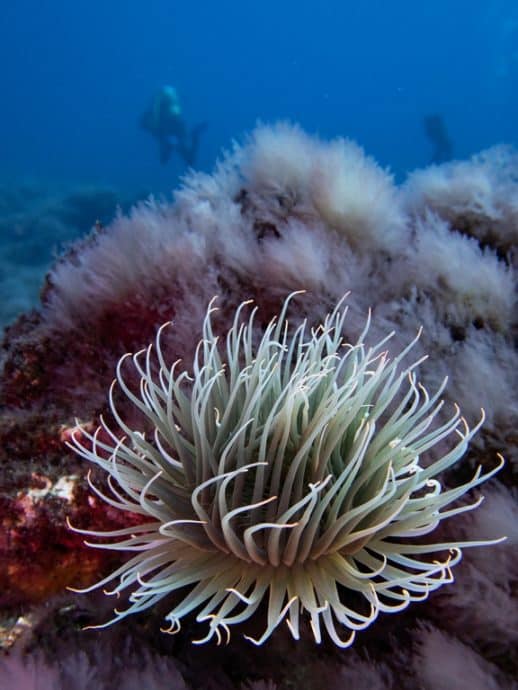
{"x": 283, "y": 212}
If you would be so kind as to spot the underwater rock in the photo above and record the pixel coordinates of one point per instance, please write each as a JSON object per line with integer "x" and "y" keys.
{"x": 284, "y": 212}
{"x": 36, "y": 221}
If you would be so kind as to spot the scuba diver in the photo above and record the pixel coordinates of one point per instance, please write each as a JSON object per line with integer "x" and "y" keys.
{"x": 164, "y": 121}
{"x": 437, "y": 133}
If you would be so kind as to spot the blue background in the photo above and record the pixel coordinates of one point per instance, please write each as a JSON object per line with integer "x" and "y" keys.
{"x": 77, "y": 74}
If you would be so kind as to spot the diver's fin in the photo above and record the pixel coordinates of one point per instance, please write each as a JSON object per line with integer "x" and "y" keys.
{"x": 196, "y": 131}
{"x": 189, "y": 152}
{"x": 166, "y": 149}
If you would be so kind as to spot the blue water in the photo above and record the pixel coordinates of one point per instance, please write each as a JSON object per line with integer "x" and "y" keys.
{"x": 77, "y": 74}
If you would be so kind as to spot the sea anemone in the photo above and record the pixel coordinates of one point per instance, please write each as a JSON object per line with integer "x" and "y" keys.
{"x": 285, "y": 466}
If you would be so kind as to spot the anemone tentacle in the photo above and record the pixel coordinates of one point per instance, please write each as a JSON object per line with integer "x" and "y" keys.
{"x": 286, "y": 471}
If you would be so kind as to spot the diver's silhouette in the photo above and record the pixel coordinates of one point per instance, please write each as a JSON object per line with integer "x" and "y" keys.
{"x": 438, "y": 134}
{"x": 163, "y": 120}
